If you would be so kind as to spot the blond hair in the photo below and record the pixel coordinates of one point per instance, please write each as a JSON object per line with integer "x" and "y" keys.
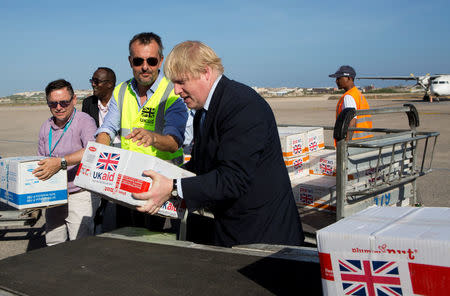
{"x": 190, "y": 58}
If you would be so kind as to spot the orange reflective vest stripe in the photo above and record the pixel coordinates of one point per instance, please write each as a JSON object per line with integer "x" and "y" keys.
{"x": 362, "y": 121}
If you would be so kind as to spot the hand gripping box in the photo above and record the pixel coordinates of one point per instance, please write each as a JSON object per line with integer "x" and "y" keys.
{"x": 19, "y": 188}
{"x": 297, "y": 140}
{"x": 387, "y": 251}
{"x": 117, "y": 173}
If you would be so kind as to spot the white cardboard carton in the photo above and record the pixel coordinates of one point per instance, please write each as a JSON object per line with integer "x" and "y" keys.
{"x": 293, "y": 142}
{"x": 322, "y": 162}
{"x": 297, "y": 166}
{"x": 315, "y": 139}
{"x": 296, "y": 140}
{"x": 21, "y": 189}
{"x": 318, "y": 192}
{"x": 387, "y": 251}
{"x": 117, "y": 173}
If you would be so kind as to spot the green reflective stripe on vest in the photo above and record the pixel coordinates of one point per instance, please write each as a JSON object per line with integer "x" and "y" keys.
{"x": 160, "y": 116}
{"x": 147, "y": 117}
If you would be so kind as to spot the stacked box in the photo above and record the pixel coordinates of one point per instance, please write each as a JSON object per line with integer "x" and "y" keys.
{"x": 297, "y": 166}
{"x": 322, "y": 162}
{"x": 318, "y": 192}
{"x": 117, "y": 173}
{"x": 22, "y": 190}
{"x": 387, "y": 251}
{"x": 296, "y": 140}
{"x": 293, "y": 142}
{"x": 316, "y": 139}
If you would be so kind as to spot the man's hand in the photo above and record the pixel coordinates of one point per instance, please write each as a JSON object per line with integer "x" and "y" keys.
{"x": 158, "y": 194}
{"x": 47, "y": 168}
{"x": 103, "y": 138}
{"x": 142, "y": 136}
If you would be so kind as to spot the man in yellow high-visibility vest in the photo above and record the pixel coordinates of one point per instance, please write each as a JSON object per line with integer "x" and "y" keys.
{"x": 352, "y": 98}
{"x": 145, "y": 107}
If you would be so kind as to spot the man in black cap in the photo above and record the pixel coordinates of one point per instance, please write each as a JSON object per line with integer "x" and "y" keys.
{"x": 352, "y": 98}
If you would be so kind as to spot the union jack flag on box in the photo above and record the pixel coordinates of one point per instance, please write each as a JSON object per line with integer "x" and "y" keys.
{"x": 297, "y": 140}
{"x": 297, "y": 166}
{"x": 387, "y": 251}
{"x": 315, "y": 192}
{"x": 108, "y": 161}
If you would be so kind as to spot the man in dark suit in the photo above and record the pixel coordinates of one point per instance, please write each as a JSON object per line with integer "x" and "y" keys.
{"x": 103, "y": 82}
{"x": 241, "y": 176}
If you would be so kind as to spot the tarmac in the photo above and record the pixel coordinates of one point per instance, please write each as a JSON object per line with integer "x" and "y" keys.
{"x": 19, "y": 131}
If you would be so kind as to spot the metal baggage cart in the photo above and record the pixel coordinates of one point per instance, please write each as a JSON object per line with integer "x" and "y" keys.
{"x": 394, "y": 158}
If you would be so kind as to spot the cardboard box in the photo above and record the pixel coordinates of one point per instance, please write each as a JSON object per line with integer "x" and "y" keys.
{"x": 387, "y": 251}
{"x": 315, "y": 139}
{"x": 296, "y": 140}
{"x": 297, "y": 166}
{"x": 318, "y": 192}
{"x": 117, "y": 173}
{"x": 322, "y": 162}
{"x": 19, "y": 188}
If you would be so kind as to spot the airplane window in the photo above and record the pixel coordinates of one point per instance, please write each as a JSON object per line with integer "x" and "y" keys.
{"x": 441, "y": 82}
{"x": 435, "y": 82}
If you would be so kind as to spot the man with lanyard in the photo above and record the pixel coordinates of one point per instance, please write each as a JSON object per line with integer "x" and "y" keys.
{"x": 63, "y": 138}
{"x": 352, "y": 98}
{"x": 145, "y": 111}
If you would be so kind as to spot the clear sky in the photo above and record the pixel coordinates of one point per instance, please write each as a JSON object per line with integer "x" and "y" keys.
{"x": 262, "y": 43}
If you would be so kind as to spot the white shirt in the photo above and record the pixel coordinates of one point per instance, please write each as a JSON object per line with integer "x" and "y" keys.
{"x": 349, "y": 102}
{"x": 206, "y": 107}
{"x": 102, "y": 111}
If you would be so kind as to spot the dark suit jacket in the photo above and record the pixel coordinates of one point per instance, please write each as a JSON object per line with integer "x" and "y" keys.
{"x": 240, "y": 170}
{"x": 90, "y": 106}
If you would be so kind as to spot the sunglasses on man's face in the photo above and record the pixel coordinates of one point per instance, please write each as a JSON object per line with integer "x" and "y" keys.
{"x": 63, "y": 104}
{"x": 97, "y": 81}
{"x": 150, "y": 61}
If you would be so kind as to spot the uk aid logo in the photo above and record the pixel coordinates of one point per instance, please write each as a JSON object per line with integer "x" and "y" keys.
{"x": 107, "y": 162}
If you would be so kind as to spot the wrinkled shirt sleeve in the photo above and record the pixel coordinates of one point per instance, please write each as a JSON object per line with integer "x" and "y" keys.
{"x": 111, "y": 125}
{"x": 175, "y": 121}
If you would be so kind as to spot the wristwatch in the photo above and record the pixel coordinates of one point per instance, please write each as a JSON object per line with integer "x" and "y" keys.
{"x": 174, "y": 192}
{"x": 63, "y": 164}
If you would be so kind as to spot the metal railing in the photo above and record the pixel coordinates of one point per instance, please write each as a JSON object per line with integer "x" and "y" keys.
{"x": 395, "y": 162}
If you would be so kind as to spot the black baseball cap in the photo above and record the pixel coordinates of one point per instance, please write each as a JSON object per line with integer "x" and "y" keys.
{"x": 344, "y": 71}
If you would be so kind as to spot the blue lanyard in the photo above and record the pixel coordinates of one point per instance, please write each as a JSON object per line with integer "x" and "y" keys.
{"x": 64, "y": 131}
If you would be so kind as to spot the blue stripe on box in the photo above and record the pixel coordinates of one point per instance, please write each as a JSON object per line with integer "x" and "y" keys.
{"x": 40, "y": 197}
{"x": 2, "y": 194}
